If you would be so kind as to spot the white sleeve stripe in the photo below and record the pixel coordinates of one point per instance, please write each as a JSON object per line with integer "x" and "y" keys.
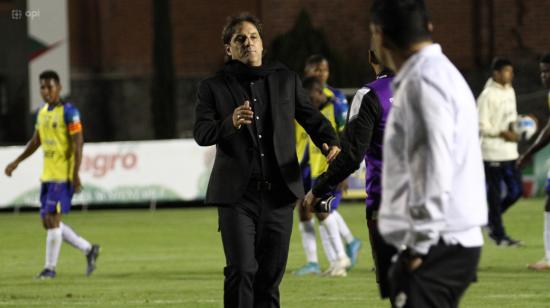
{"x": 356, "y": 103}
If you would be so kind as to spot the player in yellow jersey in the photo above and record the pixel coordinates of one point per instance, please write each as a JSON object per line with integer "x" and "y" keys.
{"x": 332, "y": 227}
{"x": 59, "y": 131}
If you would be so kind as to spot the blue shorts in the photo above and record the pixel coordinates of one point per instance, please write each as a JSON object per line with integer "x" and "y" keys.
{"x": 55, "y": 197}
{"x": 547, "y": 187}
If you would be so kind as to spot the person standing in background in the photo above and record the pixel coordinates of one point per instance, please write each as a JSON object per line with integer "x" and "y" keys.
{"x": 499, "y": 145}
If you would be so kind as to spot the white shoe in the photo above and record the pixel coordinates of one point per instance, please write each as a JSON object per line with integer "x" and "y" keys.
{"x": 542, "y": 265}
{"x": 339, "y": 268}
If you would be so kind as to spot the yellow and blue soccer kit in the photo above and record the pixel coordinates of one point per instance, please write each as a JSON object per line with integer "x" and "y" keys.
{"x": 55, "y": 124}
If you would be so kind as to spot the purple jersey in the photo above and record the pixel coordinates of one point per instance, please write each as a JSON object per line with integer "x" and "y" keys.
{"x": 381, "y": 87}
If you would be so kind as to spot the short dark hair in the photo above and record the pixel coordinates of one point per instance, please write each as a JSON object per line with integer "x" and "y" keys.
{"x": 404, "y": 22}
{"x": 233, "y": 21}
{"x": 499, "y": 63}
{"x": 315, "y": 59}
{"x": 49, "y": 74}
{"x": 309, "y": 82}
{"x": 545, "y": 58}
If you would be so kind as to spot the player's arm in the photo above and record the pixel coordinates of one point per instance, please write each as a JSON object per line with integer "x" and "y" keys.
{"x": 355, "y": 141}
{"x": 74, "y": 128}
{"x": 542, "y": 140}
{"x": 30, "y": 148}
{"x": 78, "y": 144}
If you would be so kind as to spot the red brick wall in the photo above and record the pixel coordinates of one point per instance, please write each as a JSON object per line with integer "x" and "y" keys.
{"x": 197, "y": 26}
{"x": 116, "y": 36}
{"x": 453, "y": 22}
{"x": 533, "y": 25}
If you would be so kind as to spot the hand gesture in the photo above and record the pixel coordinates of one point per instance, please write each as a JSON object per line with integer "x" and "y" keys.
{"x": 330, "y": 152}
{"x": 10, "y": 168}
{"x": 242, "y": 115}
{"x": 309, "y": 201}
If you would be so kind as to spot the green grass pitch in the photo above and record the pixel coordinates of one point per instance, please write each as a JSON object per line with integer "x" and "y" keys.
{"x": 173, "y": 258}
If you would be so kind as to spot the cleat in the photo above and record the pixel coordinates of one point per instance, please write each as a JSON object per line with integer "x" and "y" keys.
{"x": 542, "y": 265}
{"x": 46, "y": 274}
{"x": 91, "y": 258}
{"x": 352, "y": 250}
{"x": 505, "y": 241}
{"x": 311, "y": 268}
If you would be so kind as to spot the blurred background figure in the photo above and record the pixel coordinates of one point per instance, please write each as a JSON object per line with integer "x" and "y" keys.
{"x": 541, "y": 142}
{"x": 499, "y": 144}
{"x": 362, "y": 139}
{"x": 311, "y": 163}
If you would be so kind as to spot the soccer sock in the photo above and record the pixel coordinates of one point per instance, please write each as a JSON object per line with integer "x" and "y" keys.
{"x": 547, "y": 235}
{"x": 327, "y": 246}
{"x": 53, "y": 246}
{"x": 333, "y": 233}
{"x": 309, "y": 240}
{"x": 345, "y": 232}
{"x": 74, "y": 239}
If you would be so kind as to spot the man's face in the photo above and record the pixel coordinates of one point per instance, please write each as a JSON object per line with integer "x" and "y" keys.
{"x": 50, "y": 89}
{"x": 545, "y": 74}
{"x": 316, "y": 95}
{"x": 505, "y": 75}
{"x": 246, "y": 45}
{"x": 377, "y": 45}
{"x": 319, "y": 70}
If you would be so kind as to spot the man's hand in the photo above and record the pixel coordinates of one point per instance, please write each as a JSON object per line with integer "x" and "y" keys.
{"x": 77, "y": 186}
{"x": 522, "y": 161}
{"x": 509, "y": 135}
{"x": 310, "y": 200}
{"x": 10, "y": 168}
{"x": 330, "y": 152}
{"x": 242, "y": 115}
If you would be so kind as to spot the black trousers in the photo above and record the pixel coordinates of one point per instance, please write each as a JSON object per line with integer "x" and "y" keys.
{"x": 497, "y": 174}
{"x": 439, "y": 282}
{"x": 256, "y": 236}
{"x": 382, "y": 252}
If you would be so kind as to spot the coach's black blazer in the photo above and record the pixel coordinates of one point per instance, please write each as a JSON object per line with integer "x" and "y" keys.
{"x": 217, "y": 98}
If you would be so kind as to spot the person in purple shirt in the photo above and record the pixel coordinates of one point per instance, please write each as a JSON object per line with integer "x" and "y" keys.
{"x": 361, "y": 139}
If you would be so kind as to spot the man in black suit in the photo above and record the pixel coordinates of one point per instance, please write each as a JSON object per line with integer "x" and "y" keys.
{"x": 247, "y": 110}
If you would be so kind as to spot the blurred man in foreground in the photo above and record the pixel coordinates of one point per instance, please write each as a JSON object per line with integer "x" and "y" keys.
{"x": 433, "y": 192}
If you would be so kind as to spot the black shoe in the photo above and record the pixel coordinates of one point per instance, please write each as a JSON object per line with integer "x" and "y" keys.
{"x": 509, "y": 242}
{"x": 91, "y": 258}
{"x": 505, "y": 241}
{"x": 46, "y": 274}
